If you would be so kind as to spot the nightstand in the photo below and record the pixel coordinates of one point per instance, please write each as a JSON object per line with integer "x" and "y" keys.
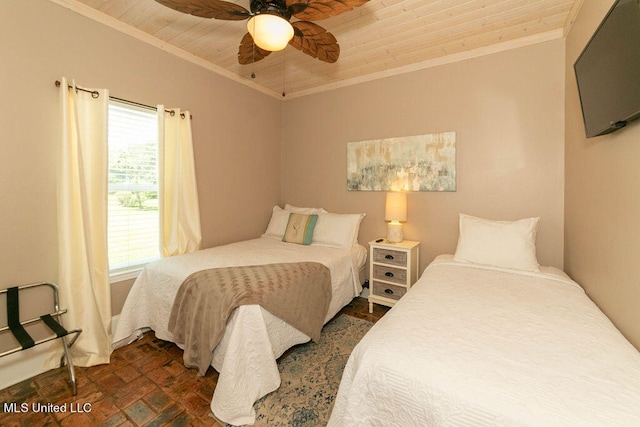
{"x": 393, "y": 269}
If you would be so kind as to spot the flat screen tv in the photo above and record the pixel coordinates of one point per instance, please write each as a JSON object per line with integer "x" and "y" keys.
{"x": 608, "y": 71}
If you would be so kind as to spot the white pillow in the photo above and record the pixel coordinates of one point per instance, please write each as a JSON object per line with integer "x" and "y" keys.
{"x": 337, "y": 229}
{"x": 296, "y": 209}
{"x": 506, "y": 244}
{"x": 277, "y": 223}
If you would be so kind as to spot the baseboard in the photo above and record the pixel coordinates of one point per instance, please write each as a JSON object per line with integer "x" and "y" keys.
{"x": 22, "y": 365}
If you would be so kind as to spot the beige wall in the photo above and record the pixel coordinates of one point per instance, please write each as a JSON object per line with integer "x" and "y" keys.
{"x": 507, "y": 111}
{"x": 602, "y": 206}
{"x": 235, "y": 129}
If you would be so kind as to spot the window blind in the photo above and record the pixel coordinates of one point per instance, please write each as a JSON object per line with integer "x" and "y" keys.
{"x": 133, "y": 216}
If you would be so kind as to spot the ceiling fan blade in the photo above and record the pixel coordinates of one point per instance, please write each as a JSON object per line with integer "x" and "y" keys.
{"x": 314, "y": 10}
{"x": 315, "y": 41}
{"x": 249, "y": 52}
{"x": 217, "y": 9}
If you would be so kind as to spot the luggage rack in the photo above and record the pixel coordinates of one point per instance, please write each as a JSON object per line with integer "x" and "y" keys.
{"x": 53, "y": 321}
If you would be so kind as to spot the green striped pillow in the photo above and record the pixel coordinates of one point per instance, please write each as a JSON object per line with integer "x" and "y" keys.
{"x": 300, "y": 228}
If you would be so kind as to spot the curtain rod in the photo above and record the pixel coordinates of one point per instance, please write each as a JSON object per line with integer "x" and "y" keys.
{"x": 95, "y": 94}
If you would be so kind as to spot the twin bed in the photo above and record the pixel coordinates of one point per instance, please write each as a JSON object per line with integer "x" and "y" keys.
{"x": 485, "y": 337}
{"x": 476, "y": 345}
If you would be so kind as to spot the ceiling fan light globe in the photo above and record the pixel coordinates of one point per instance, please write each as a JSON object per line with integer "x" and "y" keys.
{"x": 270, "y": 32}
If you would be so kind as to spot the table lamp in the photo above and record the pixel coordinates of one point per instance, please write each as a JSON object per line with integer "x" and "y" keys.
{"x": 395, "y": 212}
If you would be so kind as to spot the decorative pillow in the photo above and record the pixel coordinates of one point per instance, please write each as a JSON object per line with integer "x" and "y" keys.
{"x": 337, "y": 229}
{"x": 278, "y": 223}
{"x": 296, "y": 209}
{"x": 300, "y": 228}
{"x": 506, "y": 244}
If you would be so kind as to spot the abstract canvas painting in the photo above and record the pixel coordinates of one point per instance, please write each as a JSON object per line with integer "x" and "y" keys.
{"x": 412, "y": 163}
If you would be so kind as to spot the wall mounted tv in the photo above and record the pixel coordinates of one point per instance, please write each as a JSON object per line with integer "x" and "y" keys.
{"x": 608, "y": 71}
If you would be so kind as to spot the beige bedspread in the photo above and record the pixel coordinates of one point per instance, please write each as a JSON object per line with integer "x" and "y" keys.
{"x": 297, "y": 293}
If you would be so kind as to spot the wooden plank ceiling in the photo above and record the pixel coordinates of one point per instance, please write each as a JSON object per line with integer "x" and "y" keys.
{"x": 378, "y": 39}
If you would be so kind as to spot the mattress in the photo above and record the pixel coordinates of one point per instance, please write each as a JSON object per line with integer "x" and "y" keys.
{"x": 246, "y": 356}
{"x": 474, "y": 345}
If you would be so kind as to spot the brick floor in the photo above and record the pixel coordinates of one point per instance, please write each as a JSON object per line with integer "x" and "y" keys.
{"x": 145, "y": 384}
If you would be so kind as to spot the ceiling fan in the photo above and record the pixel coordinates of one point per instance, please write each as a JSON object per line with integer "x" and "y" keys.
{"x": 269, "y": 19}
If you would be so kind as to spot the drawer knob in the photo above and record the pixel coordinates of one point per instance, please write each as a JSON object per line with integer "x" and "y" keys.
{"x": 388, "y": 274}
{"x": 388, "y": 257}
{"x": 388, "y": 291}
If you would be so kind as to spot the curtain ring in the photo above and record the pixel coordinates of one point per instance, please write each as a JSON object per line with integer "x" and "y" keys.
{"x": 182, "y": 115}
{"x": 95, "y": 94}
{"x": 172, "y": 113}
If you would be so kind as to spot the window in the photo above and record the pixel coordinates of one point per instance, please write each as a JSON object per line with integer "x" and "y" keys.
{"x": 133, "y": 216}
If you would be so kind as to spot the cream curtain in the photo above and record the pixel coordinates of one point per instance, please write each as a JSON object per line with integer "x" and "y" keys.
{"x": 83, "y": 267}
{"x": 179, "y": 210}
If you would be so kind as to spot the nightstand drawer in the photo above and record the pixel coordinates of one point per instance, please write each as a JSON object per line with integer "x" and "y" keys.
{"x": 388, "y": 256}
{"x": 390, "y": 274}
{"x": 388, "y": 291}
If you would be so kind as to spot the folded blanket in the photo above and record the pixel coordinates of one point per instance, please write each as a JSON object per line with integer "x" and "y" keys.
{"x": 298, "y": 293}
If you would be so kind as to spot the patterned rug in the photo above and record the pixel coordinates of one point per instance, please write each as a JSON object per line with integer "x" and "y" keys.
{"x": 311, "y": 375}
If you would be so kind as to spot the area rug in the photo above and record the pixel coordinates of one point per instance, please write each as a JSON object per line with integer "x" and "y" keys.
{"x": 310, "y": 376}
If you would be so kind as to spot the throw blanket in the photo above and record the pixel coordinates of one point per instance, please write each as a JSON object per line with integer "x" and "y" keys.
{"x": 298, "y": 293}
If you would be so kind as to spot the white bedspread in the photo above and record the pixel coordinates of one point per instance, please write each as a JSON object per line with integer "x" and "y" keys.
{"x": 246, "y": 356}
{"x": 475, "y": 346}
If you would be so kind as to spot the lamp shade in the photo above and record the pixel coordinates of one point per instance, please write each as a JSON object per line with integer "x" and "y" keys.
{"x": 270, "y": 32}
{"x": 396, "y": 207}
